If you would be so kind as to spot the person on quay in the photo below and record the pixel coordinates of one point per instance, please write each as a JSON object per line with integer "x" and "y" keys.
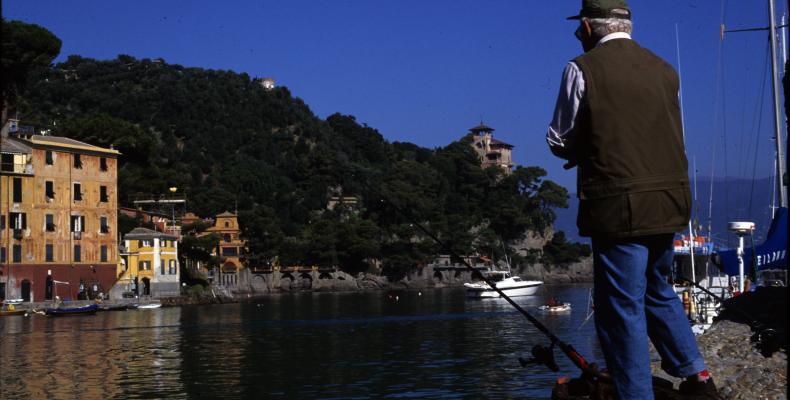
{"x": 617, "y": 121}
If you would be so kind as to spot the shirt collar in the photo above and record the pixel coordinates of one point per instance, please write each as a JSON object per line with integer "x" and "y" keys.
{"x": 611, "y": 36}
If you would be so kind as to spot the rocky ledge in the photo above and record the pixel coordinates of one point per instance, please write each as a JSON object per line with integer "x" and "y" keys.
{"x": 736, "y": 364}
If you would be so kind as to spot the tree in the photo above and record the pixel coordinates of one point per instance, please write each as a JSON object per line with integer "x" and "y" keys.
{"x": 25, "y": 47}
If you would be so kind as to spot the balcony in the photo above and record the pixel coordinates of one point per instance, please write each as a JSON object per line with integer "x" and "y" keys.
{"x": 19, "y": 234}
{"x": 76, "y": 235}
{"x": 17, "y": 168}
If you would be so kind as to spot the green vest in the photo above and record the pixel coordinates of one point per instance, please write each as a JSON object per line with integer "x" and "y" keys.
{"x": 632, "y": 168}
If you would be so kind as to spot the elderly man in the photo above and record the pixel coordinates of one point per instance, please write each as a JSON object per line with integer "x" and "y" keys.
{"x": 617, "y": 120}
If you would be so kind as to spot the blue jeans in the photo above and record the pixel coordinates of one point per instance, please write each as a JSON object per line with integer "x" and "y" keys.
{"x": 633, "y": 301}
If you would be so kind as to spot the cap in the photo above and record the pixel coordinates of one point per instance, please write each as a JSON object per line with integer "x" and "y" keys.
{"x": 603, "y": 9}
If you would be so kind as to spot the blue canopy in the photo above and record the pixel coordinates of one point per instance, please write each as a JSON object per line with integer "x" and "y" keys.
{"x": 771, "y": 254}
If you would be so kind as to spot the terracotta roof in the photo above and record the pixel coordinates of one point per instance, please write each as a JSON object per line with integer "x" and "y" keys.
{"x": 226, "y": 214}
{"x": 145, "y": 233}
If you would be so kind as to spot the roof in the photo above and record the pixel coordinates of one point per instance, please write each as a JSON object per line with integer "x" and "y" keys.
{"x": 11, "y": 145}
{"x": 145, "y": 233}
{"x": 64, "y": 142}
{"x": 482, "y": 128}
{"x": 226, "y": 214}
{"x": 501, "y": 143}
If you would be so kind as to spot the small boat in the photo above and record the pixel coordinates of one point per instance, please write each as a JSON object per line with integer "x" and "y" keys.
{"x": 510, "y": 285}
{"x": 556, "y": 308}
{"x": 116, "y": 307}
{"x": 9, "y": 309}
{"x": 147, "y": 306}
{"x": 71, "y": 311}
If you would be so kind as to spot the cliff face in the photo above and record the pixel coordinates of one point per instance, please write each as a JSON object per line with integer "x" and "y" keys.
{"x": 581, "y": 271}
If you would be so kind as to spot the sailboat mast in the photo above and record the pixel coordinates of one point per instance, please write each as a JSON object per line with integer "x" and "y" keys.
{"x": 777, "y": 124}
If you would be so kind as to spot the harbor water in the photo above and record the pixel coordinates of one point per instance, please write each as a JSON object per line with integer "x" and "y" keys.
{"x": 409, "y": 344}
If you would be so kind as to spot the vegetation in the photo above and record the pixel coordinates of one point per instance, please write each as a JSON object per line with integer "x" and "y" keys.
{"x": 227, "y": 143}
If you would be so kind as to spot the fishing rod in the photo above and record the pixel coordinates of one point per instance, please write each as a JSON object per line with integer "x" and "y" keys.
{"x": 540, "y": 354}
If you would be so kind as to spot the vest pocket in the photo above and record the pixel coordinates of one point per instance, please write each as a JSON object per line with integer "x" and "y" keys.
{"x": 603, "y": 215}
{"x": 652, "y": 211}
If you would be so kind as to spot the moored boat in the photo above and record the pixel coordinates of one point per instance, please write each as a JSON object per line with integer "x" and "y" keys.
{"x": 9, "y": 309}
{"x": 71, "y": 311}
{"x": 510, "y": 285}
{"x": 147, "y": 306}
{"x": 555, "y": 308}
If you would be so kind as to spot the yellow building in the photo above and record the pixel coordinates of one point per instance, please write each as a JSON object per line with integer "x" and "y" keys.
{"x": 231, "y": 247}
{"x": 58, "y": 216}
{"x": 149, "y": 265}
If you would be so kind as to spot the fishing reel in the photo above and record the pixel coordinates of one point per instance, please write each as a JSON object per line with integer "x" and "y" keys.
{"x": 541, "y": 355}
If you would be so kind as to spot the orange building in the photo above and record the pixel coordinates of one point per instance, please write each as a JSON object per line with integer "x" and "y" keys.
{"x": 231, "y": 247}
{"x": 492, "y": 152}
{"x": 58, "y": 222}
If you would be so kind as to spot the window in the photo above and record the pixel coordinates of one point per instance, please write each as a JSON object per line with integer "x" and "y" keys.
{"x": 104, "y": 227}
{"x": 77, "y": 161}
{"x": 49, "y": 253}
{"x": 16, "y": 251}
{"x": 50, "y": 190}
{"x": 226, "y": 237}
{"x": 18, "y": 220}
{"x": 103, "y": 194}
{"x": 77, "y": 223}
{"x": 161, "y": 267}
{"x": 103, "y": 253}
{"x": 7, "y": 162}
{"x": 77, "y": 253}
{"x": 103, "y": 164}
{"x": 172, "y": 269}
{"x": 17, "y": 190}
{"x": 143, "y": 265}
{"x": 50, "y": 160}
{"x": 49, "y": 223}
{"x": 2, "y": 254}
{"x": 227, "y": 224}
{"x": 2, "y": 221}
{"x": 230, "y": 251}
{"x": 77, "y": 192}
{"x": 143, "y": 243}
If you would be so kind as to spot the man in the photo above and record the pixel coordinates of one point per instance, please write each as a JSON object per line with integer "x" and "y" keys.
{"x": 617, "y": 120}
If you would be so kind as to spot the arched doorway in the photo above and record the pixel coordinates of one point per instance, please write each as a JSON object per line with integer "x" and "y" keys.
{"x": 25, "y": 290}
{"x": 48, "y": 288}
{"x": 146, "y": 287}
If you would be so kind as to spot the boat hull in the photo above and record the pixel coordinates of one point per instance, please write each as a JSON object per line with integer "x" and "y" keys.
{"x": 478, "y": 291}
{"x": 67, "y": 312}
{"x": 10, "y": 313}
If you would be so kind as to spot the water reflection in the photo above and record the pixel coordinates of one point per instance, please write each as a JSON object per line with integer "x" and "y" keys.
{"x": 435, "y": 344}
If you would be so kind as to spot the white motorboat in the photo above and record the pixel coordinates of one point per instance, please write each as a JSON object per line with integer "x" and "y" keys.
{"x": 511, "y": 285}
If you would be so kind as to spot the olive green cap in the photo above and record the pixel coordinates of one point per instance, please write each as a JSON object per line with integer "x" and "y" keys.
{"x": 603, "y": 9}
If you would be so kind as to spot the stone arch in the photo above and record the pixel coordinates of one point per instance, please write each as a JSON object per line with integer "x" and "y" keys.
{"x": 457, "y": 273}
{"x": 307, "y": 280}
{"x": 325, "y": 275}
{"x": 437, "y": 276}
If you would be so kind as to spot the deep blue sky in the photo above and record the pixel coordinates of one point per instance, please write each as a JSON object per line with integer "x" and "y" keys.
{"x": 426, "y": 71}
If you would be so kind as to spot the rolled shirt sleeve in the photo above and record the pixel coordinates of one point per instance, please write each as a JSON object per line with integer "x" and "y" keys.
{"x": 568, "y": 101}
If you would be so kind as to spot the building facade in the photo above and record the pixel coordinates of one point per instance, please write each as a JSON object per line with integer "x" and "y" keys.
{"x": 149, "y": 265}
{"x": 231, "y": 247}
{"x": 58, "y": 228}
{"x": 492, "y": 152}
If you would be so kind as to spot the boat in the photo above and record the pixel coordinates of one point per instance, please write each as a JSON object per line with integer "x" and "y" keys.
{"x": 147, "y": 306}
{"x": 9, "y": 309}
{"x": 562, "y": 307}
{"x": 510, "y": 285}
{"x": 71, "y": 311}
{"x": 116, "y": 307}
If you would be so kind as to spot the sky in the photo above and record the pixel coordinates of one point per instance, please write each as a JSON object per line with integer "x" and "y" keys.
{"x": 427, "y": 71}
